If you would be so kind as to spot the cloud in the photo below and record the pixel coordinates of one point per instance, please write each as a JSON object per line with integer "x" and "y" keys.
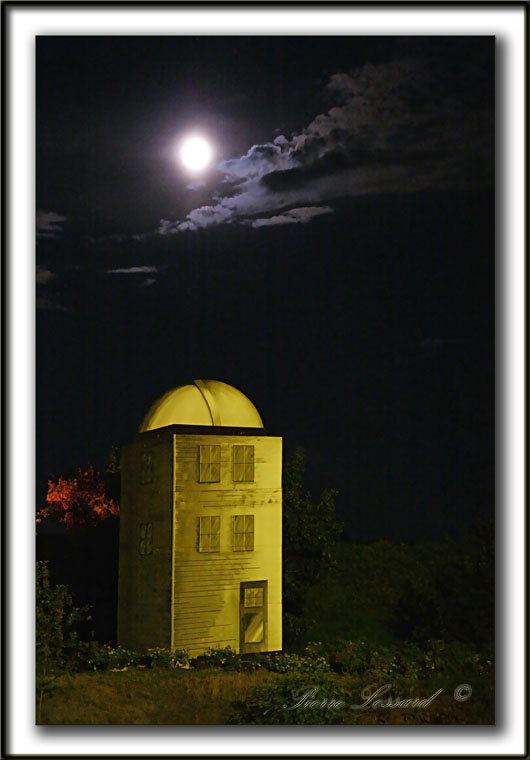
{"x": 46, "y": 304}
{"x": 293, "y": 216}
{"x": 44, "y": 275}
{"x": 49, "y": 223}
{"x": 147, "y": 282}
{"x": 132, "y": 270}
{"x": 393, "y": 128}
{"x": 115, "y": 237}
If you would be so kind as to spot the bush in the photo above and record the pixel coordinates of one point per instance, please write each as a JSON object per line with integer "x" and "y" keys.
{"x": 311, "y": 661}
{"x": 405, "y": 659}
{"x": 58, "y": 647}
{"x": 286, "y": 662}
{"x": 456, "y": 658}
{"x": 294, "y": 700}
{"x": 105, "y": 657}
{"x": 222, "y": 657}
{"x": 165, "y": 658}
{"x": 349, "y": 656}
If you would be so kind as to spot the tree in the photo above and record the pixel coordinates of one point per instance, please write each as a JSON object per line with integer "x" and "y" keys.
{"x": 310, "y": 534}
{"x": 78, "y": 501}
{"x": 57, "y": 642}
{"x": 85, "y": 556}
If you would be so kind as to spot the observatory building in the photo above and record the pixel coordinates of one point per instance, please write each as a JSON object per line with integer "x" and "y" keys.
{"x": 201, "y": 526}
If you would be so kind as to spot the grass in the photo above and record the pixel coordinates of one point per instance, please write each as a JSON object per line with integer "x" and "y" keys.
{"x": 148, "y": 697}
{"x": 209, "y": 697}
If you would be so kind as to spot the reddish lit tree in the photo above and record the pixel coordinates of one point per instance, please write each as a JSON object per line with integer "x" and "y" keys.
{"x": 79, "y": 501}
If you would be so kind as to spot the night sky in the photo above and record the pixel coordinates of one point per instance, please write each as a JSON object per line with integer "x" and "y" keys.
{"x": 335, "y": 262}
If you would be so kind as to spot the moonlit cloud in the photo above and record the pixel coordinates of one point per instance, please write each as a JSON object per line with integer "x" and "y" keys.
{"x": 44, "y": 275}
{"x": 46, "y": 304}
{"x": 392, "y": 128}
{"x": 293, "y": 216}
{"x": 132, "y": 270}
{"x": 49, "y": 223}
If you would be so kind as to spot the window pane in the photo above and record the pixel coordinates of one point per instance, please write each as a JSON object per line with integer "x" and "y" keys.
{"x": 243, "y": 463}
{"x": 145, "y": 543}
{"x": 209, "y": 463}
{"x": 146, "y": 467}
{"x": 249, "y": 523}
{"x": 243, "y": 533}
{"x": 254, "y": 629}
{"x": 209, "y": 533}
{"x": 253, "y": 597}
{"x": 209, "y": 453}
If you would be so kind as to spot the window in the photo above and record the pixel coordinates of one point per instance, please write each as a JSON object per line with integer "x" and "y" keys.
{"x": 253, "y": 597}
{"x": 209, "y": 463}
{"x": 243, "y": 463}
{"x": 243, "y": 533}
{"x": 146, "y": 539}
{"x": 146, "y": 467}
{"x": 209, "y": 530}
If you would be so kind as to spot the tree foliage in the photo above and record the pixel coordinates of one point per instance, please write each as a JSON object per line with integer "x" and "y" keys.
{"x": 455, "y": 598}
{"x": 384, "y": 592}
{"x": 78, "y": 501}
{"x": 310, "y": 534}
{"x": 56, "y": 622}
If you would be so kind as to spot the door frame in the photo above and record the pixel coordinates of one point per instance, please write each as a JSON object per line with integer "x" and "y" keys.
{"x": 258, "y": 646}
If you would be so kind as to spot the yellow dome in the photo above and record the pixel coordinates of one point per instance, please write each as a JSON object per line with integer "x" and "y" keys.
{"x": 203, "y": 402}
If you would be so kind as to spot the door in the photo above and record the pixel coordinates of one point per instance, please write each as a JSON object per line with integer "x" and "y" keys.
{"x": 253, "y": 616}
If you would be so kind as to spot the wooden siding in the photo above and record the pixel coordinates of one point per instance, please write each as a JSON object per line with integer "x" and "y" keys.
{"x": 178, "y": 596}
{"x": 206, "y": 585}
{"x": 144, "y": 586}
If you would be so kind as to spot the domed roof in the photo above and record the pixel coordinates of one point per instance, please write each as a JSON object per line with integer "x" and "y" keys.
{"x": 203, "y": 402}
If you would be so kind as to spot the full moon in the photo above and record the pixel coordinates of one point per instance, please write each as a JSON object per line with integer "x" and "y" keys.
{"x": 195, "y": 153}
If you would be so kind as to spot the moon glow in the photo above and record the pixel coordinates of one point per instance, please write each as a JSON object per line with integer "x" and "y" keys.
{"x": 195, "y": 153}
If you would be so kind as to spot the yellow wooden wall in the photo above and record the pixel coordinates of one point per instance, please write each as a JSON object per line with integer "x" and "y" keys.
{"x": 206, "y": 585}
{"x": 177, "y": 596}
